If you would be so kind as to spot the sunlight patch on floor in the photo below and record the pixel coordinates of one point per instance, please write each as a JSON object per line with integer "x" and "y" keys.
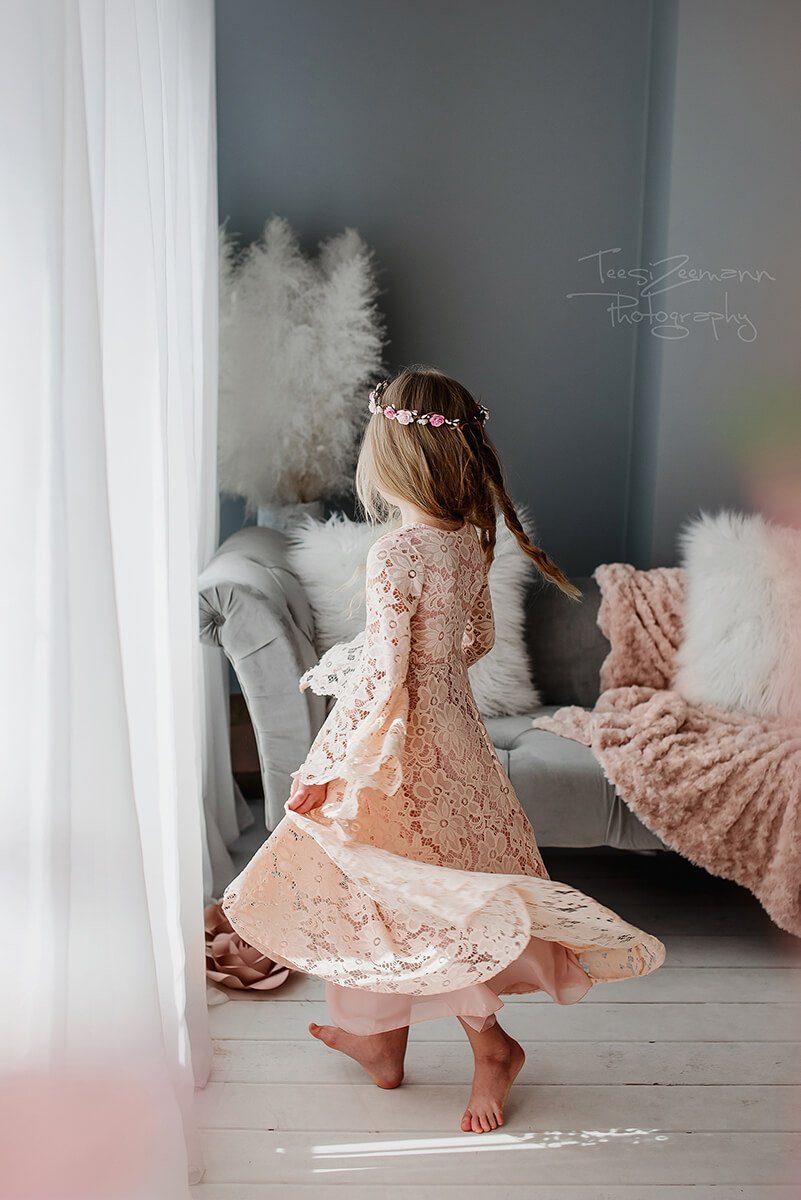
{"x": 495, "y": 1141}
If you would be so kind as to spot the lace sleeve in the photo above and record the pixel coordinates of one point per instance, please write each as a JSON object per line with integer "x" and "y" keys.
{"x": 336, "y": 669}
{"x": 479, "y": 635}
{"x": 362, "y": 740}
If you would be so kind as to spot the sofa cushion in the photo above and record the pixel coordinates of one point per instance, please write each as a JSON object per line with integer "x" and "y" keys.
{"x": 740, "y": 647}
{"x": 565, "y": 643}
{"x": 565, "y": 794}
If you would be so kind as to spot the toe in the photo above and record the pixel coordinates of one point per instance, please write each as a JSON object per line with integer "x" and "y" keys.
{"x": 467, "y": 1121}
{"x": 324, "y": 1033}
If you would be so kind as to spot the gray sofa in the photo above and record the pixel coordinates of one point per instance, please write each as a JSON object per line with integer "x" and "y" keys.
{"x": 253, "y": 606}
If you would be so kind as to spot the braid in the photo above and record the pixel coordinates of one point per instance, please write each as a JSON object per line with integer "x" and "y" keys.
{"x": 500, "y": 496}
{"x": 480, "y": 508}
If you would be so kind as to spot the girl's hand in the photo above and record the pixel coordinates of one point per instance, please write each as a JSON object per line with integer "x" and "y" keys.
{"x": 306, "y": 796}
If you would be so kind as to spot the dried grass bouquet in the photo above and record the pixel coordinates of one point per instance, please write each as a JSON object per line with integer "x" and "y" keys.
{"x": 300, "y": 340}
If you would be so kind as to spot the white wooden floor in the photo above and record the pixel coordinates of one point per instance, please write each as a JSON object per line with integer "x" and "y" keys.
{"x": 684, "y": 1085}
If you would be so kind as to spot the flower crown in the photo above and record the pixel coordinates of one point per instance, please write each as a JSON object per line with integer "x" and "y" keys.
{"x": 410, "y": 416}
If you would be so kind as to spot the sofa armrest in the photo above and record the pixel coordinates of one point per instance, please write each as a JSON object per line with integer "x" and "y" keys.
{"x": 252, "y": 605}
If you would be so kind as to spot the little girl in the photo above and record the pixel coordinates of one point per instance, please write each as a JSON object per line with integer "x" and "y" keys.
{"x": 405, "y": 872}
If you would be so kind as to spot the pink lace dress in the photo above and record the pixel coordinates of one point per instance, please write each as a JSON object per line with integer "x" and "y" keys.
{"x": 417, "y": 890}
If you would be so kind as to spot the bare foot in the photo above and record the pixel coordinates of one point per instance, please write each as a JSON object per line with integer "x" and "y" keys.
{"x": 495, "y": 1072}
{"x": 381, "y": 1054}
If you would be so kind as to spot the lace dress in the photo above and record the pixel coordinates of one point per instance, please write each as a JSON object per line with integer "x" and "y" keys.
{"x": 417, "y": 889}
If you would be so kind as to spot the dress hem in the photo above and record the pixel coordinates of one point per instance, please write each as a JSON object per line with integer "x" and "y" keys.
{"x": 543, "y": 966}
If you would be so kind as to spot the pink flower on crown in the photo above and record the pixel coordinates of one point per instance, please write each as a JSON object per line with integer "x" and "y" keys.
{"x": 389, "y": 411}
{"x": 404, "y": 417}
{"x": 436, "y": 419}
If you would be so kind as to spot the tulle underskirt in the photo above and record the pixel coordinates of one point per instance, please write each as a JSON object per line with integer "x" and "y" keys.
{"x": 543, "y": 966}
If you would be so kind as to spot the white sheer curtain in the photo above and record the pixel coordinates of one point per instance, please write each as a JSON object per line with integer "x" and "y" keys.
{"x": 108, "y": 308}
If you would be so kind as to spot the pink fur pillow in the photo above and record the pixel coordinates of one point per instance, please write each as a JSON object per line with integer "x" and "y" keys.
{"x": 641, "y": 617}
{"x": 742, "y": 642}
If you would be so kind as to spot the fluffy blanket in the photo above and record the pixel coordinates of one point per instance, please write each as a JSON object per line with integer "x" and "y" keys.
{"x": 722, "y": 788}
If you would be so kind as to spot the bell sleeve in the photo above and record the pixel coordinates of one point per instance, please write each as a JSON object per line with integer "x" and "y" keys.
{"x": 336, "y": 668}
{"x": 479, "y": 634}
{"x": 363, "y": 738}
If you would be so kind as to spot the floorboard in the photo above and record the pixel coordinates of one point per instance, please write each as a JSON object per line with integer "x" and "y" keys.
{"x": 334, "y": 1107}
{"x": 548, "y": 1022}
{"x": 598, "y": 1155}
{"x": 653, "y": 1063}
{"x": 358, "y": 1190}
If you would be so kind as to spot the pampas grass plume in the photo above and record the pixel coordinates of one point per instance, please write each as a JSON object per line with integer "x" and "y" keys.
{"x": 300, "y": 340}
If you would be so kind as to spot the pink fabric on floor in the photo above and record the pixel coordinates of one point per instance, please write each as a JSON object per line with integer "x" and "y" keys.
{"x": 543, "y": 966}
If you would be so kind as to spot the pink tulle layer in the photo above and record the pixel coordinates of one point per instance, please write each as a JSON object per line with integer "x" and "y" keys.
{"x": 543, "y": 966}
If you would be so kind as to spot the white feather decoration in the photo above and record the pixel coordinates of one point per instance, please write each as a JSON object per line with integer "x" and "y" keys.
{"x": 300, "y": 340}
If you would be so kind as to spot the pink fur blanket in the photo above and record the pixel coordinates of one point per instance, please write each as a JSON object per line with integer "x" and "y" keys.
{"x": 721, "y": 788}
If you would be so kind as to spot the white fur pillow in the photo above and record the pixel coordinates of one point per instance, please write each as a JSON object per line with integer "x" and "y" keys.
{"x": 742, "y": 617}
{"x": 329, "y": 559}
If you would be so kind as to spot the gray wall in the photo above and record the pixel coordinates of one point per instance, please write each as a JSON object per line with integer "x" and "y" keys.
{"x": 481, "y": 148}
{"x": 727, "y": 174}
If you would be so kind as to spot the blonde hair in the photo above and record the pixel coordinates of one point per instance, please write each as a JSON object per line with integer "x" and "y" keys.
{"x": 453, "y": 473}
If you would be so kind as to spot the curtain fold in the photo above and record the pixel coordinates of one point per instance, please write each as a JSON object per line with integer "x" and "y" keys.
{"x": 108, "y": 320}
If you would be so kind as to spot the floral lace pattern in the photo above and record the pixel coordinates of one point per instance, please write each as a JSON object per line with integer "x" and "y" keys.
{"x": 421, "y": 873}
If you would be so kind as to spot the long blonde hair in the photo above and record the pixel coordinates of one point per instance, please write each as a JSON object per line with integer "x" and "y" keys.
{"x": 453, "y": 473}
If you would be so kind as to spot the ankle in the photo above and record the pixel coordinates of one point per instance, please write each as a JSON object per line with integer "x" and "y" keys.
{"x": 494, "y": 1047}
{"x": 388, "y": 1037}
